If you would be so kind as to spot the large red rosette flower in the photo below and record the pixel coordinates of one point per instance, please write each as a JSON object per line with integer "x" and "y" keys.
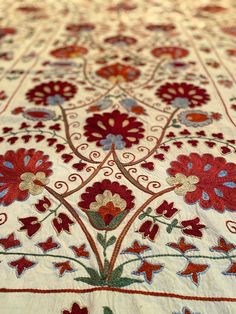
{"x": 121, "y": 40}
{"x": 119, "y": 73}
{"x": 182, "y": 95}
{"x": 106, "y": 204}
{"x": 69, "y": 52}
{"x": 215, "y": 186}
{"x": 170, "y": 52}
{"x": 51, "y": 93}
{"x": 113, "y": 128}
{"x": 22, "y": 172}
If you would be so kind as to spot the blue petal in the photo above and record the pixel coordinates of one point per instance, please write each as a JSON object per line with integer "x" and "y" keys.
{"x": 218, "y": 192}
{"x": 222, "y": 173}
{"x": 230, "y": 184}
{"x": 190, "y": 165}
{"x": 207, "y": 167}
{"x": 8, "y": 164}
{"x": 39, "y": 162}
{"x": 3, "y": 193}
{"x": 205, "y": 196}
{"x": 26, "y": 160}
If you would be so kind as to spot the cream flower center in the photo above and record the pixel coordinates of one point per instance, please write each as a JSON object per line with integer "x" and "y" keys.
{"x": 187, "y": 184}
{"x": 106, "y": 197}
{"x": 34, "y": 183}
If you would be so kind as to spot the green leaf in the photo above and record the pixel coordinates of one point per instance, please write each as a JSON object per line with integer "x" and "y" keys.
{"x": 172, "y": 225}
{"x": 107, "y": 310}
{"x": 123, "y": 282}
{"x": 91, "y": 281}
{"x": 97, "y": 220}
{"x": 106, "y": 266}
{"x": 101, "y": 239}
{"x": 176, "y": 126}
{"x": 117, "y": 219}
{"x": 148, "y": 210}
{"x": 93, "y": 273}
{"x": 111, "y": 241}
{"x": 117, "y": 272}
{"x": 143, "y": 215}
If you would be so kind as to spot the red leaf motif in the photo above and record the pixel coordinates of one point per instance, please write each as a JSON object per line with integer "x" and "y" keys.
{"x": 48, "y": 245}
{"x": 80, "y": 252}
{"x": 79, "y": 166}
{"x": 62, "y": 222}
{"x": 147, "y": 269}
{"x": 43, "y": 205}
{"x": 231, "y": 270}
{"x": 223, "y": 246}
{"x": 55, "y": 127}
{"x": 76, "y": 309}
{"x": 59, "y": 148}
{"x": 148, "y": 165}
{"x": 64, "y": 267}
{"x": 21, "y": 265}
{"x": 39, "y": 137}
{"x": 66, "y": 157}
{"x": 194, "y": 271}
{"x": 159, "y": 156}
{"x": 9, "y": 242}
{"x": 30, "y": 225}
{"x": 182, "y": 246}
{"x": 137, "y": 248}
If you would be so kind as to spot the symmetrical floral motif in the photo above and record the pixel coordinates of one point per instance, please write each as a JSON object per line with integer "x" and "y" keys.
{"x": 106, "y": 203}
{"x": 183, "y": 95}
{"x": 113, "y": 128}
{"x": 51, "y": 93}
{"x": 23, "y": 172}
{"x": 205, "y": 179}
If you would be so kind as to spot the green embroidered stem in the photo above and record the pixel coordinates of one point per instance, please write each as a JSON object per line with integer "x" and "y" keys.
{"x": 54, "y": 211}
{"x": 38, "y": 131}
{"x": 180, "y": 255}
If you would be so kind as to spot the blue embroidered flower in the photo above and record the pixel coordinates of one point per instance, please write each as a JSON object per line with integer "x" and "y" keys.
{"x": 180, "y": 102}
{"x": 113, "y": 139}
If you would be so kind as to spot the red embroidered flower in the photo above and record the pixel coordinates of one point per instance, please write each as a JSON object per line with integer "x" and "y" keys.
{"x": 51, "y": 93}
{"x": 69, "y": 52}
{"x": 113, "y": 128}
{"x": 182, "y": 95}
{"x": 161, "y": 27}
{"x": 118, "y": 72}
{"x": 216, "y": 180}
{"x": 106, "y": 204}
{"x": 211, "y": 8}
{"x": 38, "y": 114}
{"x": 230, "y": 30}
{"x": 22, "y": 172}
{"x": 149, "y": 230}
{"x": 120, "y": 40}
{"x": 7, "y": 31}
{"x": 170, "y": 52}
{"x": 76, "y": 309}
{"x": 83, "y": 27}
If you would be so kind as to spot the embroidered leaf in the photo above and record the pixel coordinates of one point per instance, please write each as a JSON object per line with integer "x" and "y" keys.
{"x": 30, "y": 224}
{"x": 48, "y": 245}
{"x": 172, "y": 225}
{"x": 223, "y": 246}
{"x": 182, "y": 246}
{"x": 93, "y": 273}
{"x": 194, "y": 271}
{"x": 147, "y": 269}
{"x": 91, "y": 281}
{"x": 80, "y": 252}
{"x": 101, "y": 239}
{"x": 107, "y": 310}
{"x": 137, "y": 248}
{"x": 123, "y": 282}
{"x": 9, "y": 242}
{"x": 117, "y": 272}
{"x": 64, "y": 267}
{"x": 21, "y": 265}
{"x": 111, "y": 241}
